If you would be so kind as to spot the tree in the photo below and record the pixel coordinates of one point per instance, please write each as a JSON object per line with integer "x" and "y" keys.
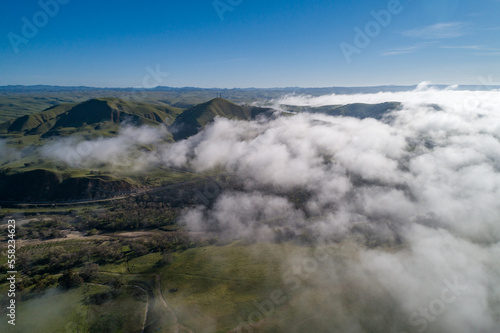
{"x": 89, "y": 271}
{"x": 139, "y": 249}
{"x": 116, "y": 283}
{"x": 70, "y": 279}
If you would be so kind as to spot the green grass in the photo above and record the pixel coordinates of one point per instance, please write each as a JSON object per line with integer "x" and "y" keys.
{"x": 143, "y": 264}
{"x": 120, "y": 268}
{"x": 125, "y": 313}
{"x": 162, "y": 176}
{"x": 216, "y": 284}
{"x": 218, "y": 287}
{"x": 47, "y": 210}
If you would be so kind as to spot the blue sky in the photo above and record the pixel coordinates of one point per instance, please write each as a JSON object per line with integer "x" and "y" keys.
{"x": 257, "y": 43}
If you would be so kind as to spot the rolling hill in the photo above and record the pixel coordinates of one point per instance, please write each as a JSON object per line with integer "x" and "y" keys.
{"x": 37, "y": 179}
{"x": 193, "y": 119}
{"x": 69, "y": 118}
{"x": 92, "y": 112}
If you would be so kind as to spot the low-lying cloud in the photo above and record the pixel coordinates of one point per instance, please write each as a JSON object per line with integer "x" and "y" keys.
{"x": 132, "y": 150}
{"x": 7, "y": 153}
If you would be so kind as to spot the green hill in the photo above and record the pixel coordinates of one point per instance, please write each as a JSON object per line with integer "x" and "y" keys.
{"x": 30, "y": 122}
{"x": 67, "y": 119}
{"x": 91, "y": 112}
{"x": 193, "y": 119}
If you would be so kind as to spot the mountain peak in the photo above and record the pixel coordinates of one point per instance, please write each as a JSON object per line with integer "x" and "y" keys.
{"x": 193, "y": 119}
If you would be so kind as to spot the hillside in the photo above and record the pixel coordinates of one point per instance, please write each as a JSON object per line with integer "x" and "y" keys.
{"x": 190, "y": 121}
{"x": 29, "y": 122}
{"x": 43, "y": 185}
{"x": 70, "y": 118}
{"x": 91, "y": 112}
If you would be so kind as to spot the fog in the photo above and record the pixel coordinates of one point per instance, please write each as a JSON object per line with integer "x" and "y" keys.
{"x": 411, "y": 203}
{"x": 131, "y": 150}
{"x": 7, "y": 153}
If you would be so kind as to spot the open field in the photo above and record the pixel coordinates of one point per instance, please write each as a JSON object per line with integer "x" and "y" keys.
{"x": 209, "y": 288}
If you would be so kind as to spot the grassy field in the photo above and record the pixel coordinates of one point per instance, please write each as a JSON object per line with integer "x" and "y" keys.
{"x": 214, "y": 284}
{"x": 207, "y": 288}
{"x": 217, "y": 285}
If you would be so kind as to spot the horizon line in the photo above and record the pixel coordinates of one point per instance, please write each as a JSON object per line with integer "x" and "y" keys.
{"x": 234, "y": 88}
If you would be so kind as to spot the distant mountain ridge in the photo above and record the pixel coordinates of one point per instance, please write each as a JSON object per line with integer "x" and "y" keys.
{"x": 321, "y": 90}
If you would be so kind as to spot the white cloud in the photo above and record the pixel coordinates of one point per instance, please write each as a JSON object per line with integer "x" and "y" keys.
{"x": 129, "y": 151}
{"x": 438, "y": 31}
{"x": 407, "y": 49}
{"x": 7, "y": 153}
